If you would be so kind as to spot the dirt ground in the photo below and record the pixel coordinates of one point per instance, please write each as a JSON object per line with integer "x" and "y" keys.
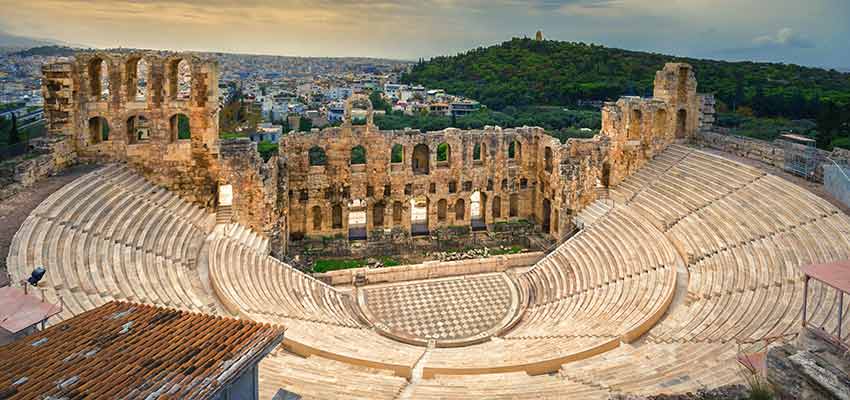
{"x": 14, "y": 210}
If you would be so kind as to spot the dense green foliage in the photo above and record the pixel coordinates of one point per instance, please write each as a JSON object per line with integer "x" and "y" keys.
{"x": 266, "y": 149}
{"x": 358, "y": 155}
{"x": 523, "y": 72}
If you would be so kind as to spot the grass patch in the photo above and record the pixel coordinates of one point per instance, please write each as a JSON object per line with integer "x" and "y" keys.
{"x": 326, "y": 265}
{"x": 229, "y": 135}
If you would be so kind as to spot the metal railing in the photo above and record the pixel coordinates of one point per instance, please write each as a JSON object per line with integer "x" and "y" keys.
{"x": 837, "y": 184}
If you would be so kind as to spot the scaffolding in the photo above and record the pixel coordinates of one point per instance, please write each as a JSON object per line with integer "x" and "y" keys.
{"x": 801, "y": 156}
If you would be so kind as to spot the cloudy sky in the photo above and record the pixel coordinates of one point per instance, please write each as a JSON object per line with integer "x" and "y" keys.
{"x": 811, "y": 32}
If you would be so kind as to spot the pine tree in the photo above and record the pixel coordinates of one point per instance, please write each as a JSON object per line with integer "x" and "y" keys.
{"x": 14, "y": 136}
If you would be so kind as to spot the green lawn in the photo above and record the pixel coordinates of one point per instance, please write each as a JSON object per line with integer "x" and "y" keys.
{"x": 325, "y": 265}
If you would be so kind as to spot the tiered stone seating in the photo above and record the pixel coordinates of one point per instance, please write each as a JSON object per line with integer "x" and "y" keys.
{"x": 515, "y": 386}
{"x": 320, "y": 378}
{"x": 245, "y": 236}
{"x": 593, "y": 212}
{"x": 649, "y": 173}
{"x": 112, "y": 235}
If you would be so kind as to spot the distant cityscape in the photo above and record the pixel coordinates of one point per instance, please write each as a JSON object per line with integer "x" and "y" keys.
{"x": 281, "y": 90}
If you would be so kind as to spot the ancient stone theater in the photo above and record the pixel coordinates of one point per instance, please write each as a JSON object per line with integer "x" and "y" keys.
{"x": 664, "y": 262}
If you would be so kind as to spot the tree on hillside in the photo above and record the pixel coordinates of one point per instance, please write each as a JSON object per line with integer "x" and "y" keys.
{"x": 305, "y": 124}
{"x": 378, "y": 102}
{"x": 14, "y": 135}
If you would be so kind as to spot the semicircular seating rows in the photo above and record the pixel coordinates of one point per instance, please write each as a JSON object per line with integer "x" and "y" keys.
{"x": 112, "y": 235}
{"x": 697, "y": 256}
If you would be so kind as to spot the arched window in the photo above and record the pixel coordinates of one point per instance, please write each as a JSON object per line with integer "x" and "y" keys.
{"x": 397, "y": 154}
{"x": 681, "y": 124}
{"x": 505, "y": 184}
{"x": 460, "y": 210}
{"x": 634, "y": 124}
{"x": 441, "y": 210}
{"x": 444, "y": 152}
{"x": 378, "y": 214}
{"x": 514, "y": 205}
{"x": 317, "y": 218}
{"x": 179, "y": 80}
{"x": 514, "y": 150}
{"x": 497, "y": 207}
{"x": 397, "y": 212}
{"x": 138, "y": 129}
{"x": 98, "y": 130}
{"x": 547, "y": 158}
{"x": 99, "y": 79}
{"x": 358, "y": 155}
{"x": 419, "y": 216}
{"x": 336, "y": 215}
{"x": 421, "y": 158}
{"x": 137, "y": 79}
{"x": 317, "y": 156}
{"x": 179, "y": 127}
{"x": 477, "y": 214}
{"x": 476, "y": 152}
{"x": 356, "y": 219}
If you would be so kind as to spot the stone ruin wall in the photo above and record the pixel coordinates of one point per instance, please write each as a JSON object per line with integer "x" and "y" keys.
{"x": 281, "y": 198}
{"x": 75, "y": 106}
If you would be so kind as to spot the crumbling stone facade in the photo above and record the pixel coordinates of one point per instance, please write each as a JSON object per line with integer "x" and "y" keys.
{"x": 355, "y": 184}
{"x": 107, "y": 112}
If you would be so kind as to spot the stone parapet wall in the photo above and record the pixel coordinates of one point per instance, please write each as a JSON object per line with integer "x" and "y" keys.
{"x": 49, "y": 156}
{"x": 770, "y": 153}
{"x": 430, "y": 270}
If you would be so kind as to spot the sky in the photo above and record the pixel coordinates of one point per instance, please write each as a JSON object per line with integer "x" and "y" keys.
{"x": 810, "y": 32}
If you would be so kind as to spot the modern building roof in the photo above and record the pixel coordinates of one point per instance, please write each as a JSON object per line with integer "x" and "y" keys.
{"x": 835, "y": 274}
{"x": 134, "y": 351}
{"x": 19, "y": 310}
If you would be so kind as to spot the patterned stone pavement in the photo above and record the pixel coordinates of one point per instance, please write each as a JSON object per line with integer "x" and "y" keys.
{"x": 444, "y": 309}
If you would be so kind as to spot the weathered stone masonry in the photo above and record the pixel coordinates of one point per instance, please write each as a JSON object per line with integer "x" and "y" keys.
{"x": 315, "y": 186}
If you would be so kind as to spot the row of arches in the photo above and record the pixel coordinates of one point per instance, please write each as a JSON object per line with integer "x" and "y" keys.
{"x": 139, "y": 129}
{"x": 420, "y": 161}
{"x": 659, "y": 123}
{"x": 419, "y": 207}
{"x": 178, "y": 78}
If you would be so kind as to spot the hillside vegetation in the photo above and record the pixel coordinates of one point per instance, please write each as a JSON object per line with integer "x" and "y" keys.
{"x": 523, "y": 72}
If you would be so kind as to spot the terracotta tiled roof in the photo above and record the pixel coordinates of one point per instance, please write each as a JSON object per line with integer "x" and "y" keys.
{"x": 133, "y": 351}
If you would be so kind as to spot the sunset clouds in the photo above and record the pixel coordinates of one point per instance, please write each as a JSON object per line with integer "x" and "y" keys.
{"x": 814, "y": 32}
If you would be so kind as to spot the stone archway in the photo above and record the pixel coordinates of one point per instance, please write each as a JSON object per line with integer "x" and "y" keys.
{"x": 420, "y": 160}
{"x": 547, "y": 216}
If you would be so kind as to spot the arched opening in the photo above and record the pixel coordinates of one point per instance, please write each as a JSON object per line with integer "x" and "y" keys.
{"x": 477, "y": 152}
{"x": 421, "y": 157}
{"x": 419, "y": 216}
{"x": 137, "y": 79}
{"x": 477, "y": 205}
{"x": 356, "y": 219}
{"x": 634, "y": 124}
{"x": 336, "y": 216}
{"x": 179, "y": 127}
{"x": 444, "y": 154}
{"x": 398, "y": 210}
{"x": 497, "y": 207}
{"x": 659, "y": 125}
{"x": 460, "y": 210}
{"x": 98, "y": 130}
{"x": 505, "y": 184}
{"x": 317, "y": 218}
{"x": 138, "y": 129}
{"x": 99, "y": 79}
{"x": 546, "y": 217}
{"x": 681, "y": 124}
{"x": 547, "y": 158}
{"x": 397, "y": 154}
{"x": 378, "y": 214}
{"x": 513, "y": 207}
{"x": 179, "y": 80}
{"x": 317, "y": 156}
{"x": 441, "y": 210}
{"x": 514, "y": 150}
{"x": 358, "y": 155}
